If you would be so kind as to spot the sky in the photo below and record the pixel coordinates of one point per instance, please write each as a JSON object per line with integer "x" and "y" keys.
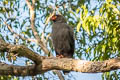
{"x": 72, "y": 75}
{"x": 77, "y": 75}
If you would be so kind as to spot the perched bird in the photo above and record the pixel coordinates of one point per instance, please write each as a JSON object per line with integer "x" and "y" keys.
{"x": 62, "y": 37}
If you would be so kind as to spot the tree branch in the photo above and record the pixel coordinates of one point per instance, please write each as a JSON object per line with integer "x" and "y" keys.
{"x": 60, "y": 64}
{"x": 41, "y": 43}
{"x": 32, "y": 20}
{"x": 13, "y": 70}
{"x": 81, "y": 65}
{"x": 21, "y": 50}
{"x": 14, "y": 33}
{"x": 50, "y": 63}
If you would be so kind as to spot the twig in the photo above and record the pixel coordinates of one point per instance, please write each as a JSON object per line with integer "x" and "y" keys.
{"x": 14, "y": 33}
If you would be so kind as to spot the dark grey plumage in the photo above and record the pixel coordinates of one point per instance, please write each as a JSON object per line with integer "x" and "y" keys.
{"x": 62, "y": 37}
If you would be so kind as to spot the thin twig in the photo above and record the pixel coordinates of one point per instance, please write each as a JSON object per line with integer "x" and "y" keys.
{"x": 14, "y": 33}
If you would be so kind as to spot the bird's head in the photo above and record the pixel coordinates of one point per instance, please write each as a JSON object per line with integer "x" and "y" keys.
{"x": 58, "y": 18}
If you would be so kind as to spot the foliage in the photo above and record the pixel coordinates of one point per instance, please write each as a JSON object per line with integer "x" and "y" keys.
{"x": 96, "y": 28}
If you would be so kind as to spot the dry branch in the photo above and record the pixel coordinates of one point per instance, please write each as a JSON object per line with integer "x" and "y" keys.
{"x": 32, "y": 20}
{"x": 45, "y": 64}
{"x": 13, "y": 70}
{"x": 21, "y": 50}
{"x": 14, "y": 33}
{"x": 41, "y": 43}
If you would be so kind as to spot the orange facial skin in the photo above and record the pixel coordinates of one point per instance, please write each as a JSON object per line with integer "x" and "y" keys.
{"x": 53, "y": 17}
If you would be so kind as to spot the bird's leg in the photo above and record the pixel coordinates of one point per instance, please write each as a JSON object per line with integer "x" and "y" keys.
{"x": 60, "y": 56}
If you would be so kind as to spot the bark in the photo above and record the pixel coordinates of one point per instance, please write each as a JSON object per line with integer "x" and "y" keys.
{"x": 40, "y": 42}
{"x": 43, "y": 64}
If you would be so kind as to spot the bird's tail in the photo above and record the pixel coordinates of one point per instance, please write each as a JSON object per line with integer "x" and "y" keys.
{"x": 66, "y": 72}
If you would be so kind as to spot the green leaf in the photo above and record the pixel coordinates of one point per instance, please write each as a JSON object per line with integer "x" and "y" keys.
{"x": 78, "y": 26}
{"x": 108, "y": 1}
{"x": 5, "y": 2}
{"x": 114, "y": 40}
{"x": 103, "y": 48}
{"x": 77, "y": 10}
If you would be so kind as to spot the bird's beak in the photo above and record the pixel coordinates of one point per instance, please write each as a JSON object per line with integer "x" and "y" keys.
{"x": 53, "y": 18}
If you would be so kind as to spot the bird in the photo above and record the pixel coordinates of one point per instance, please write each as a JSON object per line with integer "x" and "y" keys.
{"x": 62, "y": 37}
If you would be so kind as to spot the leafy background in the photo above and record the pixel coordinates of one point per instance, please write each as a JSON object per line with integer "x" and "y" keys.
{"x": 96, "y": 26}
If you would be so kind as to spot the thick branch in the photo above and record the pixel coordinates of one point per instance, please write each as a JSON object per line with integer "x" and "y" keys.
{"x": 50, "y": 63}
{"x": 13, "y": 70}
{"x": 21, "y": 50}
{"x": 81, "y": 65}
{"x": 24, "y": 52}
{"x": 60, "y": 64}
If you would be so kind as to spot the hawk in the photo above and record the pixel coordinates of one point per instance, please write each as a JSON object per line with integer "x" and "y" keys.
{"x": 62, "y": 37}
